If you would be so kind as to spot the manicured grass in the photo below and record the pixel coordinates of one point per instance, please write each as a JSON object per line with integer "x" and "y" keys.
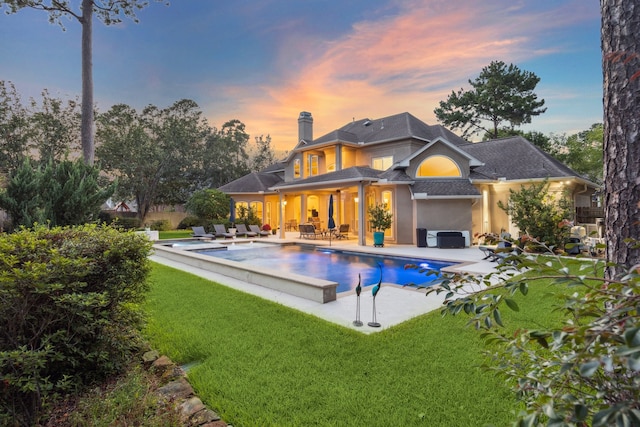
{"x": 258, "y": 363}
{"x": 175, "y": 234}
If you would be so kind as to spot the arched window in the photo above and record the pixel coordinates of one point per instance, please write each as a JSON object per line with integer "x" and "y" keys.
{"x": 438, "y": 166}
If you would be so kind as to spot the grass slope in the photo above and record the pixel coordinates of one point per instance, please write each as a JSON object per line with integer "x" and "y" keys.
{"x": 259, "y": 364}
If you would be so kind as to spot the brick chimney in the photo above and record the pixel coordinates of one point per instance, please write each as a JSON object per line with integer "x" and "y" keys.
{"x": 305, "y": 126}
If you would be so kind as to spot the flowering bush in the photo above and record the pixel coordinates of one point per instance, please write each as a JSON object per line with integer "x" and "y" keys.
{"x": 266, "y": 227}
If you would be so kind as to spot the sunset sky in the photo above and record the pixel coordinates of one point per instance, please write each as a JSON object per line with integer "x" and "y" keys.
{"x": 264, "y": 61}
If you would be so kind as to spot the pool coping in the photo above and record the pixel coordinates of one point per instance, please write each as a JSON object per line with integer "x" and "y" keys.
{"x": 318, "y": 290}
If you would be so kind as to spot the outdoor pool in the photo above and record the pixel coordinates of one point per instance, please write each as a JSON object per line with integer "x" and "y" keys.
{"x": 342, "y": 267}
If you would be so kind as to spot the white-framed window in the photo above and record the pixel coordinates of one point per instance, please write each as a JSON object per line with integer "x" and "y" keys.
{"x": 296, "y": 168}
{"x": 438, "y": 166}
{"x": 382, "y": 163}
{"x": 256, "y": 207}
{"x": 312, "y": 165}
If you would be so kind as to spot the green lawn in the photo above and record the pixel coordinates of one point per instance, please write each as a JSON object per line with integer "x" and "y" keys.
{"x": 175, "y": 234}
{"x": 258, "y": 363}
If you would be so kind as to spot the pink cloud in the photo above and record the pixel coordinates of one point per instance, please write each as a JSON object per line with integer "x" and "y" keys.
{"x": 408, "y": 61}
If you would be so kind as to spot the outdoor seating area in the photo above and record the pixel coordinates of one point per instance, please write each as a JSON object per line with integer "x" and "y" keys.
{"x": 311, "y": 231}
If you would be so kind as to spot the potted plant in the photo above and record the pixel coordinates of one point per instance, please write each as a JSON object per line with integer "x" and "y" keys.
{"x": 380, "y": 220}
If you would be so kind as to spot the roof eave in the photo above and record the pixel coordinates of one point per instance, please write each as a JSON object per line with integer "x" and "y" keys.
{"x": 426, "y": 196}
{"x": 334, "y": 183}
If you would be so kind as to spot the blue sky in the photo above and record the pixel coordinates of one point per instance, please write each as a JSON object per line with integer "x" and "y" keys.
{"x": 264, "y": 61}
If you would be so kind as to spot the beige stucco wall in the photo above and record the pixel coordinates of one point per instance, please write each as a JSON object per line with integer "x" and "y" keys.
{"x": 443, "y": 214}
{"x": 398, "y": 150}
{"x": 403, "y": 216}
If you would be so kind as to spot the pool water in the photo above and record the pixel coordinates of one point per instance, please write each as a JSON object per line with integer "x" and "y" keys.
{"x": 338, "y": 266}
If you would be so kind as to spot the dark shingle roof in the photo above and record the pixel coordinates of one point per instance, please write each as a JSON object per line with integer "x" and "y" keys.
{"x": 355, "y": 173}
{"x": 275, "y": 167}
{"x": 252, "y": 183}
{"x": 514, "y": 158}
{"x": 399, "y": 126}
{"x": 445, "y": 187}
{"x": 396, "y": 175}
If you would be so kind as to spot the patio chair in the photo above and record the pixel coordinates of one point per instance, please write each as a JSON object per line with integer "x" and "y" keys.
{"x": 242, "y": 231}
{"x": 308, "y": 230}
{"x": 221, "y": 232}
{"x": 262, "y": 233}
{"x": 342, "y": 232}
{"x": 291, "y": 225}
{"x": 199, "y": 232}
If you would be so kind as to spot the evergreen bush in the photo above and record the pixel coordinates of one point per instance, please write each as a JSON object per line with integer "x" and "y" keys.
{"x": 69, "y": 312}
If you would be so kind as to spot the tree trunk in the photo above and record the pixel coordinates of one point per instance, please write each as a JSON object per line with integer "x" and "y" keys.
{"x": 620, "y": 48}
{"x": 86, "y": 131}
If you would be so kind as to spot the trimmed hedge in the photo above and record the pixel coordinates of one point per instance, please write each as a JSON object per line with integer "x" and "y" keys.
{"x": 69, "y": 312}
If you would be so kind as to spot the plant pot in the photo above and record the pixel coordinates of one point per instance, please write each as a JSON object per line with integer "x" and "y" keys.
{"x": 378, "y": 239}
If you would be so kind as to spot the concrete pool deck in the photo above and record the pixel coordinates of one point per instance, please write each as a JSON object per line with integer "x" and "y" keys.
{"x": 394, "y": 304}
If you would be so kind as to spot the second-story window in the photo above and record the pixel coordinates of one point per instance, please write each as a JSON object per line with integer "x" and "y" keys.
{"x": 382, "y": 163}
{"x": 313, "y": 165}
{"x": 296, "y": 168}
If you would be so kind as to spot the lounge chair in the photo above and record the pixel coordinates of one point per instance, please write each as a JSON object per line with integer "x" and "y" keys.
{"x": 262, "y": 233}
{"x": 242, "y": 231}
{"x": 221, "y": 232}
{"x": 342, "y": 232}
{"x": 199, "y": 232}
{"x": 496, "y": 252}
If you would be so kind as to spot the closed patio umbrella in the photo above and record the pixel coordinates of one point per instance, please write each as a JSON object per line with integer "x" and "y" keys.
{"x": 232, "y": 211}
{"x": 331, "y": 224}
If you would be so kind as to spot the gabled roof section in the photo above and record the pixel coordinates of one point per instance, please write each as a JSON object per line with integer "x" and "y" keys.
{"x": 473, "y": 162}
{"x": 255, "y": 182}
{"x": 341, "y": 177}
{"x": 444, "y": 188}
{"x": 515, "y": 158}
{"x": 373, "y": 131}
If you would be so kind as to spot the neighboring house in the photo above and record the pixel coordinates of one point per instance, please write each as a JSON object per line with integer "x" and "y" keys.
{"x": 427, "y": 176}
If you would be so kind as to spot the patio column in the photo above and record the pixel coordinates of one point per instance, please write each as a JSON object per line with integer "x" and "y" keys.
{"x": 362, "y": 225}
{"x": 485, "y": 211}
{"x": 338, "y": 158}
{"x": 282, "y": 208}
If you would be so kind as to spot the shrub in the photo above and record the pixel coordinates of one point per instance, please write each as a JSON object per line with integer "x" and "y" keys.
{"x": 69, "y": 313}
{"x": 127, "y": 223}
{"x": 537, "y": 214}
{"x": 161, "y": 225}
{"x": 208, "y": 204}
{"x": 64, "y": 193}
{"x": 582, "y": 372}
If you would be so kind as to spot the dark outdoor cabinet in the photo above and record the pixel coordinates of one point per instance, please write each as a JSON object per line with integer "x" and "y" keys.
{"x": 450, "y": 239}
{"x": 421, "y": 237}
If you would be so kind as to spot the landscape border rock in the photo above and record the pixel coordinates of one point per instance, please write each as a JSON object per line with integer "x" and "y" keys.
{"x": 193, "y": 411}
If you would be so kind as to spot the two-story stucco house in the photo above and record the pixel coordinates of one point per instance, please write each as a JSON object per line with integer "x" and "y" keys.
{"x": 427, "y": 176}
